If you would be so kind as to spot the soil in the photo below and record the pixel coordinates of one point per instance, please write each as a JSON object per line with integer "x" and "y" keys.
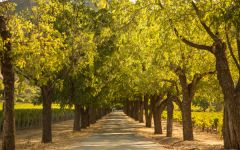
{"x": 63, "y": 136}
{"x": 202, "y": 140}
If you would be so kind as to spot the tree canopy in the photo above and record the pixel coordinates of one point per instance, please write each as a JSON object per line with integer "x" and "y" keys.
{"x": 100, "y": 52}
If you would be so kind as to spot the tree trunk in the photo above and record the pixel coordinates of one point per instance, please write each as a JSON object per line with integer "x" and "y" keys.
{"x": 140, "y": 114}
{"x": 87, "y": 116}
{"x": 126, "y": 107}
{"x": 148, "y": 116}
{"x": 231, "y": 121}
{"x": 46, "y": 114}
{"x": 8, "y": 82}
{"x": 92, "y": 115}
{"x": 157, "y": 119}
{"x": 77, "y": 118}
{"x": 98, "y": 113}
{"x": 148, "y": 113}
{"x": 84, "y": 118}
{"x": 188, "y": 94}
{"x": 169, "y": 118}
{"x": 136, "y": 110}
{"x": 157, "y": 122}
{"x": 131, "y": 109}
{"x": 187, "y": 121}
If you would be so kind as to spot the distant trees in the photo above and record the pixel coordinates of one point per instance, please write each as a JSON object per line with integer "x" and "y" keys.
{"x": 93, "y": 55}
{"x": 50, "y": 45}
{"x": 202, "y": 22}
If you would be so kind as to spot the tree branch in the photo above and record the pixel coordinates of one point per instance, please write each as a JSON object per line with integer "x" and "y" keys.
{"x": 174, "y": 83}
{"x": 198, "y": 46}
{"x": 197, "y": 77}
{"x": 162, "y": 105}
{"x": 238, "y": 45}
{"x": 208, "y": 30}
{"x": 25, "y": 75}
{"x": 231, "y": 51}
{"x": 160, "y": 4}
{"x": 133, "y": 16}
{"x": 157, "y": 100}
{"x": 207, "y": 73}
{"x": 177, "y": 101}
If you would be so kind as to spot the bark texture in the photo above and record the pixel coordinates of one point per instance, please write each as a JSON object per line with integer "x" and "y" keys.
{"x": 186, "y": 109}
{"x": 148, "y": 112}
{"x": 169, "y": 118}
{"x": 46, "y": 113}
{"x": 231, "y": 122}
{"x": 140, "y": 116}
{"x": 84, "y": 118}
{"x": 7, "y": 71}
{"x": 77, "y": 118}
{"x": 156, "y": 115}
{"x": 188, "y": 92}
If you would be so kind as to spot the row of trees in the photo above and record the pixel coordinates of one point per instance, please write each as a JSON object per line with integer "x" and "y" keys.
{"x": 144, "y": 53}
{"x": 55, "y": 46}
{"x": 177, "y": 50}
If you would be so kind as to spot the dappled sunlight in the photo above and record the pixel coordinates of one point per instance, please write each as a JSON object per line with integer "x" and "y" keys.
{"x": 203, "y": 140}
{"x": 116, "y": 133}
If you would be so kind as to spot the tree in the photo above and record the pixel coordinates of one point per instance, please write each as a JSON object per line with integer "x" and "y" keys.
{"x": 218, "y": 49}
{"x": 7, "y": 70}
{"x": 77, "y": 20}
{"x": 41, "y": 53}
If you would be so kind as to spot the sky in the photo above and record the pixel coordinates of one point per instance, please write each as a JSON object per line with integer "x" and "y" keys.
{"x": 132, "y": 1}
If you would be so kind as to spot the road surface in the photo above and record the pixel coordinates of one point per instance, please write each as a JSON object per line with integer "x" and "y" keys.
{"x": 117, "y": 133}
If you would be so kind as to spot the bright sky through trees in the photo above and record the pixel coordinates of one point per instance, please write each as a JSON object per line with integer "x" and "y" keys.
{"x": 135, "y": 54}
{"x": 132, "y": 1}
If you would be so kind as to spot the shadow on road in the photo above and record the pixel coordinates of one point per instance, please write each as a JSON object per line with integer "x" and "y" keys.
{"x": 117, "y": 133}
